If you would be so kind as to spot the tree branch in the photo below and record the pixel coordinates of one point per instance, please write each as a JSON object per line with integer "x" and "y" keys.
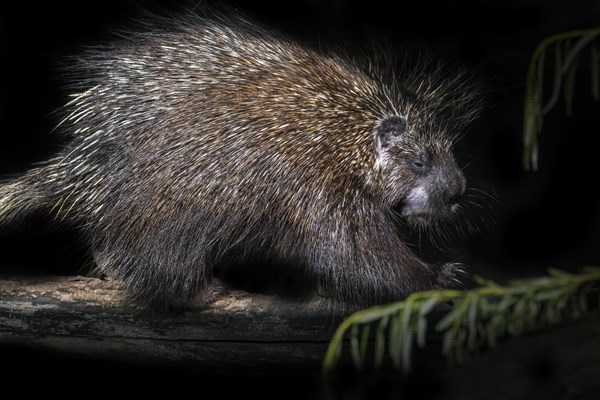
{"x": 92, "y": 317}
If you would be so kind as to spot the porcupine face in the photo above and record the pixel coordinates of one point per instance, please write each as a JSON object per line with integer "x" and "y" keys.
{"x": 421, "y": 170}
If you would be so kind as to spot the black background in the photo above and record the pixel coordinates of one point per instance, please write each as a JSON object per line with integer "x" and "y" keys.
{"x": 549, "y": 218}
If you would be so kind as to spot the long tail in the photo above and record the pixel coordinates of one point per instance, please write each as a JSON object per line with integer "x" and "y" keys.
{"x": 23, "y": 198}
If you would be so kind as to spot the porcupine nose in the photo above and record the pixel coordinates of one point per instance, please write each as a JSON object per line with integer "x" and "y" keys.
{"x": 456, "y": 186}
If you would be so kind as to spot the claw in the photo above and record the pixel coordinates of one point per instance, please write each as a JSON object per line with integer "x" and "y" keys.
{"x": 462, "y": 271}
{"x": 455, "y": 275}
{"x": 464, "y": 276}
{"x": 458, "y": 283}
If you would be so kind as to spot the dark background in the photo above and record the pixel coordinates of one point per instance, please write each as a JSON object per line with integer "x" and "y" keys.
{"x": 549, "y": 218}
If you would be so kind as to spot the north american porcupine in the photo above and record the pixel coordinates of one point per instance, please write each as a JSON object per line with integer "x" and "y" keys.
{"x": 199, "y": 143}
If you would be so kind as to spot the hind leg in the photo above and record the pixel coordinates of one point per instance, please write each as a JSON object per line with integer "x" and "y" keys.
{"x": 159, "y": 275}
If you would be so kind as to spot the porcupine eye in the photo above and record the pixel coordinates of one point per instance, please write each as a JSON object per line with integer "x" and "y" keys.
{"x": 421, "y": 164}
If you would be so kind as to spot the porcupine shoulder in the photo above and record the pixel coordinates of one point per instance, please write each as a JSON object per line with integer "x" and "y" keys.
{"x": 199, "y": 143}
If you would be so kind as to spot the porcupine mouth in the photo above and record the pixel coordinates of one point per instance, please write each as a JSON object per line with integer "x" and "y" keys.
{"x": 414, "y": 216}
{"x": 417, "y": 219}
{"x": 425, "y": 216}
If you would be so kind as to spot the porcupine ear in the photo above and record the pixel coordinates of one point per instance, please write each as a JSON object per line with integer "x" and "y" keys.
{"x": 388, "y": 133}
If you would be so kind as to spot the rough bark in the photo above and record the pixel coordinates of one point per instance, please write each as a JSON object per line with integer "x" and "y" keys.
{"x": 93, "y": 317}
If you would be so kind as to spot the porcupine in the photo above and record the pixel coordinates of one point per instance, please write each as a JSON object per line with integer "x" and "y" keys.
{"x": 203, "y": 142}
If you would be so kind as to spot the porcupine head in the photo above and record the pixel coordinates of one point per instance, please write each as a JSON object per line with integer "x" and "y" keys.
{"x": 199, "y": 144}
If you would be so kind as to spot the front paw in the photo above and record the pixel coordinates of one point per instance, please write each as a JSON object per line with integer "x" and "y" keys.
{"x": 453, "y": 275}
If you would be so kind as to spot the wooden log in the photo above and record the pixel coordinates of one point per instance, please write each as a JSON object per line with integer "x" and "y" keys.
{"x": 85, "y": 318}
{"x": 93, "y": 317}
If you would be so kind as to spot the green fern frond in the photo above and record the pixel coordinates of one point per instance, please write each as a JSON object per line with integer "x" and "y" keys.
{"x": 480, "y": 317}
{"x": 568, "y": 47}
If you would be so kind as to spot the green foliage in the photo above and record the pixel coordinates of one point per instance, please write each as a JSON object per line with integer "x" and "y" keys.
{"x": 480, "y": 317}
{"x": 567, "y": 49}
